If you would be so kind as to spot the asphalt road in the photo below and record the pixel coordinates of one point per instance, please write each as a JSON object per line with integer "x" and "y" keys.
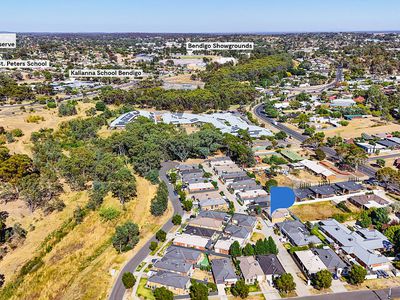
{"x": 385, "y": 156}
{"x": 118, "y": 290}
{"x": 259, "y": 111}
{"x": 357, "y": 295}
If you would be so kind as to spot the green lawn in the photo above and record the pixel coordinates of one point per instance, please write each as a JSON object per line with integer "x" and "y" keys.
{"x": 254, "y": 288}
{"x": 143, "y": 291}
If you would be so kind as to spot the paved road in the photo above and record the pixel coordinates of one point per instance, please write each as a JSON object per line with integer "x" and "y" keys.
{"x": 396, "y": 155}
{"x": 356, "y": 295}
{"x": 259, "y": 112}
{"x": 118, "y": 290}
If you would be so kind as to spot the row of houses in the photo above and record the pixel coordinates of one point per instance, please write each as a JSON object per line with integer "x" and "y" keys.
{"x": 343, "y": 247}
{"x": 246, "y": 190}
{"x": 328, "y": 190}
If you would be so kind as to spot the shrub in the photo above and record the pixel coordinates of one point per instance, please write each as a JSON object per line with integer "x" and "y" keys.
{"x": 153, "y": 246}
{"x": 128, "y": 280}
{"x": 100, "y": 106}
{"x": 161, "y": 235}
{"x": 109, "y": 213}
{"x": 17, "y": 132}
{"x": 34, "y": 119}
{"x": 176, "y": 220}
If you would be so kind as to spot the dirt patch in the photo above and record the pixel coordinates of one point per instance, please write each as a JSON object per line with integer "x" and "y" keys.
{"x": 315, "y": 211}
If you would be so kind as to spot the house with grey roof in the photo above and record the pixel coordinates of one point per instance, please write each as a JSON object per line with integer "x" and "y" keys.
{"x": 174, "y": 265}
{"x": 202, "y": 232}
{"x": 174, "y": 282}
{"x": 244, "y": 220}
{"x": 233, "y": 177}
{"x": 251, "y": 270}
{"x": 242, "y": 234}
{"x": 331, "y": 260}
{"x": 184, "y": 254}
{"x": 271, "y": 266}
{"x": 325, "y": 191}
{"x": 363, "y": 246}
{"x": 297, "y": 233}
{"x": 348, "y": 187}
{"x": 223, "y": 271}
{"x": 217, "y": 215}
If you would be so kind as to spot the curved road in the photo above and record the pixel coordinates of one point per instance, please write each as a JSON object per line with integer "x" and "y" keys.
{"x": 259, "y": 112}
{"x": 118, "y": 289}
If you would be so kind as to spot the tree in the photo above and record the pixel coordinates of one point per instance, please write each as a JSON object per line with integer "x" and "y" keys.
{"x": 380, "y": 216}
{"x": 160, "y": 201}
{"x": 126, "y": 237}
{"x": 15, "y": 167}
{"x": 100, "y": 106}
{"x": 357, "y": 274}
{"x": 319, "y": 154}
{"x": 2, "y": 280}
{"x": 162, "y": 293}
{"x": 270, "y": 183}
{"x": 153, "y": 246}
{"x": 161, "y": 235}
{"x": 322, "y": 279}
{"x": 380, "y": 162}
{"x": 123, "y": 185}
{"x": 177, "y": 219}
{"x": 365, "y": 220}
{"x": 248, "y": 250}
{"x": 240, "y": 289}
{"x": 128, "y": 280}
{"x": 285, "y": 283}
{"x": 396, "y": 241}
{"x": 187, "y": 205}
{"x": 235, "y": 250}
{"x": 272, "y": 248}
{"x": 198, "y": 291}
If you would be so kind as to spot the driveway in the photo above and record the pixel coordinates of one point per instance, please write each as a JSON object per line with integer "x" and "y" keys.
{"x": 222, "y": 187}
{"x": 118, "y": 290}
{"x": 286, "y": 260}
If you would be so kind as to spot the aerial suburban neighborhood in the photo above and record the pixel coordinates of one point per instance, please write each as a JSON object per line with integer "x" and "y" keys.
{"x": 217, "y": 150}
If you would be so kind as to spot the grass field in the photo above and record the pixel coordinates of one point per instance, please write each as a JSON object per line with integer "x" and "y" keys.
{"x": 143, "y": 292}
{"x": 315, "y": 211}
{"x": 12, "y": 118}
{"x": 257, "y": 236}
{"x": 80, "y": 265}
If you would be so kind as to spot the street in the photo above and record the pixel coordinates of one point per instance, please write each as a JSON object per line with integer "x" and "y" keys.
{"x": 118, "y": 289}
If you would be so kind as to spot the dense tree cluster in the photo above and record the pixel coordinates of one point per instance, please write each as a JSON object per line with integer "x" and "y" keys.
{"x": 160, "y": 201}
{"x": 9, "y": 89}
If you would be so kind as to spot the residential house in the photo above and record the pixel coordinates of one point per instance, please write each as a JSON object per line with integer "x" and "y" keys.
{"x": 244, "y": 220}
{"x": 206, "y": 222}
{"x": 217, "y": 215}
{"x": 318, "y": 169}
{"x": 363, "y": 246}
{"x": 297, "y": 233}
{"x": 223, "y": 245}
{"x": 202, "y": 232}
{"x": 184, "y": 254}
{"x": 309, "y": 262}
{"x": 190, "y": 241}
{"x": 331, "y": 260}
{"x": 251, "y": 270}
{"x": 240, "y": 186}
{"x": 233, "y": 177}
{"x": 200, "y": 187}
{"x": 368, "y": 201}
{"x": 348, "y": 187}
{"x": 371, "y": 149}
{"x": 239, "y": 233}
{"x": 219, "y": 161}
{"x": 246, "y": 196}
{"x": 174, "y": 265}
{"x": 224, "y": 271}
{"x": 325, "y": 191}
{"x": 271, "y": 266}
{"x": 176, "y": 283}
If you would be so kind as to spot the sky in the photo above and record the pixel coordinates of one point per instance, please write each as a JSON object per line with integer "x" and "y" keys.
{"x": 199, "y": 16}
